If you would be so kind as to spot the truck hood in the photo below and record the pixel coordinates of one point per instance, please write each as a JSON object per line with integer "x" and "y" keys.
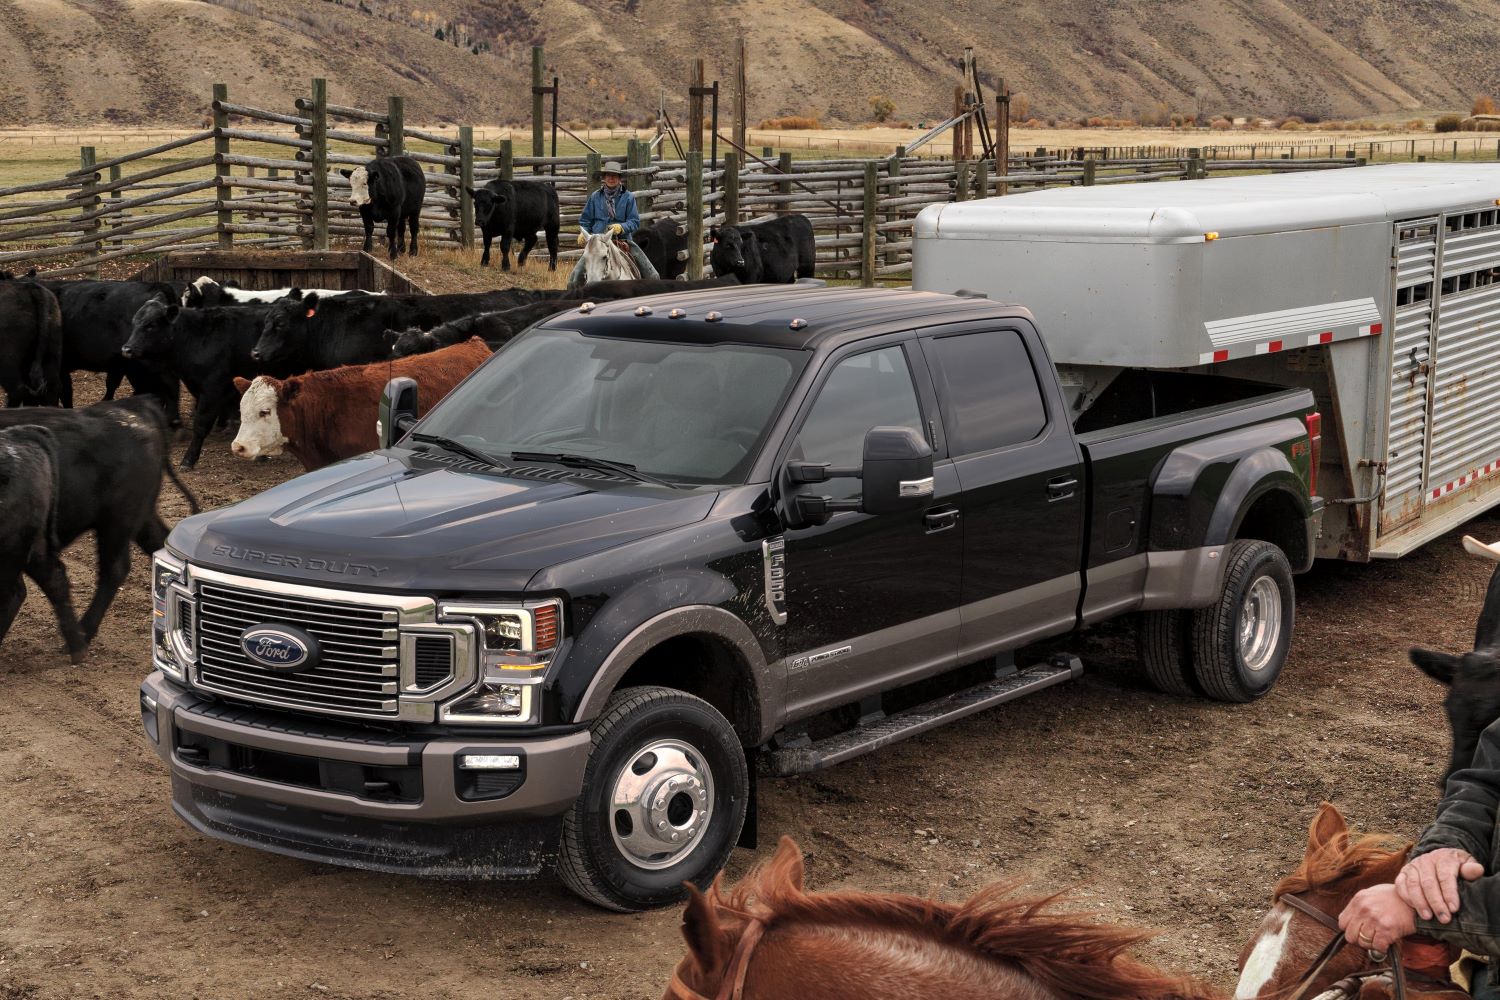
{"x": 407, "y": 521}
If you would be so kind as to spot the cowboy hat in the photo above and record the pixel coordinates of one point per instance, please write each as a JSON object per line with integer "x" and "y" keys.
{"x": 610, "y": 167}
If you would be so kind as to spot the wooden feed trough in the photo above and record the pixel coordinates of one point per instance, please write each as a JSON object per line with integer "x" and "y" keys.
{"x": 256, "y": 270}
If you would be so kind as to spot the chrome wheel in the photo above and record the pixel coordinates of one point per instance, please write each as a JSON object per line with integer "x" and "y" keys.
{"x": 1260, "y": 624}
{"x": 661, "y": 804}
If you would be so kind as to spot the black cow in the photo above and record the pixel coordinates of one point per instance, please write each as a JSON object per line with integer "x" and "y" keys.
{"x": 516, "y": 210}
{"x": 311, "y": 332}
{"x": 30, "y": 489}
{"x": 30, "y": 344}
{"x": 494, "y": 328}
{"x": 777, "y": 251}
{"x": 629, "y": 288}
{"x": 96, "y": 318}
{"x": 113, "y": 457}
{"x": 389, "y": 189}
{"x": 1472, "y": 679}
{"x": 207, "y": 347}
{"x": 665, "y": 243}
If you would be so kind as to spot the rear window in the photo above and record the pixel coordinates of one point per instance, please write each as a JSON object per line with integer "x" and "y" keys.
{"x": 990, "y": 392}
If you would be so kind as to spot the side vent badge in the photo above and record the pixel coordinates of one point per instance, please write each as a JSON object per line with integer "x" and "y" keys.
{"x": 773, "y": 555}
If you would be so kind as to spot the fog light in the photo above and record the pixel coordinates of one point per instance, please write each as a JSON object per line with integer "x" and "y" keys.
{"x": 490, "y": 762}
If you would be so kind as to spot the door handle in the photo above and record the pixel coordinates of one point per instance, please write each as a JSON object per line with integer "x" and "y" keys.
{"x": 940, "y": 520}
{"x": 1061, "y": 488}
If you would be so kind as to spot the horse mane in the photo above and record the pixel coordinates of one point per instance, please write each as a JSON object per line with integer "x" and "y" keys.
{"x": 1341, "y": 858}
{"x": 1070, "y": 955}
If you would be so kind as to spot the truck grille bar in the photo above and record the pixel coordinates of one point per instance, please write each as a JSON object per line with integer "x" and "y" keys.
{"x": 357, "y": 673}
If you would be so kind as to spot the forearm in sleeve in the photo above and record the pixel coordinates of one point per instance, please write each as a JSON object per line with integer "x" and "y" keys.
{"x": 1476, "y": 925}
{"x": 1466, "y": 816}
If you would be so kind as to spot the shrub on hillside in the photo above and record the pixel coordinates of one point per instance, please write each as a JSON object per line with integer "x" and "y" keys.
{"x": 1416, "y": 123}
{"x": 1096, "y": 122}
{"x": 1484, "y": 104}
{"x": 1290, "y": 123}
{"x": 788, "y": 123}
{"x": 881, "y": 107}
{"x": 1447, "y": 123}
{"x": 1221, "y": 124}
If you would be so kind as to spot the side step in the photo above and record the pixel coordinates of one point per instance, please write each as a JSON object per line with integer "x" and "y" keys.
{"x": 893, "y": 728}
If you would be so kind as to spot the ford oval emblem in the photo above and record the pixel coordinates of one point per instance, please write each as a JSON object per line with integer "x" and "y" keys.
{"x": 282, "y": 648}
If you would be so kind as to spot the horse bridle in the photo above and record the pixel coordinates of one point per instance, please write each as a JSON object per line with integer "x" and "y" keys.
{"x": 732, "y": 987}
{"x": 1338, "y": 943}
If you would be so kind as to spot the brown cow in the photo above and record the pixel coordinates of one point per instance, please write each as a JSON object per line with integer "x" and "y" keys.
{"x": 325, "y": 416}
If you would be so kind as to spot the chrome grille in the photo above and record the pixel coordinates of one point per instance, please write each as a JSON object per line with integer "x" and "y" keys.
{"x": 356, "y": 673}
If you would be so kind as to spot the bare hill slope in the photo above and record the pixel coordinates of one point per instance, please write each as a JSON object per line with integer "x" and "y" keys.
{"x": 153, "y": 61}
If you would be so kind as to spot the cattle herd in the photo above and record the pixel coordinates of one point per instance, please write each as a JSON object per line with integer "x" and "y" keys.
{"x": 299, "y": 370}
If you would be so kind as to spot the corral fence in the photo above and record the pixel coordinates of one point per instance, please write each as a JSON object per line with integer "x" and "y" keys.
{"x": 270, "y": 180}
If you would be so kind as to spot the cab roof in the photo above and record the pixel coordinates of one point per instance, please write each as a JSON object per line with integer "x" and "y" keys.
{"x": 763, "y": 315}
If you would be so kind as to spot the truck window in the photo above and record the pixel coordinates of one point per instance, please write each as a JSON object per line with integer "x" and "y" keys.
{"x": 867, "y": 390}
{"x": 989, "y": 390}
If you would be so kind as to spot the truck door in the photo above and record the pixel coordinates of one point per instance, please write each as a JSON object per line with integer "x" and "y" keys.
{"x": 1022, "y": 481}
{"x": 871, "y": 600}
{"x": 1411, "y": 367}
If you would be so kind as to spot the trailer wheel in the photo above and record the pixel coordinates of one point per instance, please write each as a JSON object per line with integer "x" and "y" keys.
{"x": 664, "y": 796}
{"x": 1241, "y": 642}
{"x": 1164, "y": 644}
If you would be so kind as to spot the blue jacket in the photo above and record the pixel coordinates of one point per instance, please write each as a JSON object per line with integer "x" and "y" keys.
{"x": 595, "y": 217}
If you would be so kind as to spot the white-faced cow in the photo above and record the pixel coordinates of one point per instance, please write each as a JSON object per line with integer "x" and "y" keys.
{"x": 389, "y": 189}
{"x": 323, "y": 417}
{"x": 777, "y": 251}
{"x": 516, "y": 210}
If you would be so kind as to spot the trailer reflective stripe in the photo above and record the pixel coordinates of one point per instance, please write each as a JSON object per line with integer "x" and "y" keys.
{"x": 1468, "y": 479}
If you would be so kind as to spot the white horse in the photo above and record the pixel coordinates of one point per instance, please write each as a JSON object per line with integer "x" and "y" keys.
{"x": 603, "y": 261}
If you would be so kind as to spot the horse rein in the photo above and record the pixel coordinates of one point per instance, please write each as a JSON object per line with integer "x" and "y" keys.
{"x": 1340, "y": 941}
{"x": 732, "y": 987}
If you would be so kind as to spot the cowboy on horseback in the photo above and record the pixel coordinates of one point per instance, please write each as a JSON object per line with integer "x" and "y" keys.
{"x": 611, "y": 209}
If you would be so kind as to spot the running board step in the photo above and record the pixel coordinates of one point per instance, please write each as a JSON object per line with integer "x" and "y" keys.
{"x": 893, "y": 728}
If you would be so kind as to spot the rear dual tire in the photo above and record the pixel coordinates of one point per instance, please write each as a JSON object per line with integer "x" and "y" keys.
{"x": 1235, "y": 649}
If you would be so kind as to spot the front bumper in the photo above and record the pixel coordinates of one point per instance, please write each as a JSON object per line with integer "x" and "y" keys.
{"x": 326, "y": 791}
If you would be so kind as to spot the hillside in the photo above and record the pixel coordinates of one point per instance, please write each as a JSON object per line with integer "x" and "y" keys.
{"x": 153, "y": 61}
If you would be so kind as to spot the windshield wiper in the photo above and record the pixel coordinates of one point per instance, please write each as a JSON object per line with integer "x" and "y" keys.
{"x": 589, "y": 462}
{"x": 458, "y": 448}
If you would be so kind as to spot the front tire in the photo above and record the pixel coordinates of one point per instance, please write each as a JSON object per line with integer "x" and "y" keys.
{"x": 1241, "y": 643}
{"x": 664, "y": 797}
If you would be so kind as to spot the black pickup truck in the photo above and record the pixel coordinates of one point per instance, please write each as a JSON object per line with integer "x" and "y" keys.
{"x": 655, "y": 548}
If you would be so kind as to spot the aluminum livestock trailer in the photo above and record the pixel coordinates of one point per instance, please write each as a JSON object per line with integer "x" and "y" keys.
{"x": 1376, "y": 287}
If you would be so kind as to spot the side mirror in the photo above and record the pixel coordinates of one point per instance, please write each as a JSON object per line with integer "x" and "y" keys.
{"x": 398, "y": 410}
{"x": 897, "y": 474}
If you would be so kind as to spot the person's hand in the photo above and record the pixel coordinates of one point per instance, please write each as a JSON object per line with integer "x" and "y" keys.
{"x": 583, "y": 237}
{"x": 1429, "y": 884}
{"x": 615, "y": 229}
{"x": 1377, "y": 918}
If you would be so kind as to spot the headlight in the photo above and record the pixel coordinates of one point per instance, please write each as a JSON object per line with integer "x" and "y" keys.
{"x": 168, "y": 577}
{"x": 516, "y": 647}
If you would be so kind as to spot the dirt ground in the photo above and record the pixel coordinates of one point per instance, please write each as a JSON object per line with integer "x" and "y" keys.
{"x": 1162, "y": 812}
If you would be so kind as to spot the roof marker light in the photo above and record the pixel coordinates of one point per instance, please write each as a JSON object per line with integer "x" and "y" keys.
{"x": 676, "y": 314}
{"x": 1210, "y": 237}
{"x": 587, "y": 307}
{"x": 797, "y": 324}
{"x": 714, "y": 316}
{"x": 643, "y": 310}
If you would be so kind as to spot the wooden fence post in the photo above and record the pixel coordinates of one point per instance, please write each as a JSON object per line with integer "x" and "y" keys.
{"x": 741, "y": 100}
{"x": 222, "y": 191}
{"x": 731, "y": 203}
{"x": 595, "y": 161}
{"x": 981, "y": 178}
{"x": 1195, "y": 169}
{"x": 319, "y": 164}
{"x": 893, "y": 189}
{"x": 695, "y": 108}
{"x": 114, "y": 175}
{"x": 868, "y": 234}
{"x": 643, "y": 202}
{"x": 962, "y": 177}
{"x": 507, "y": 160}
{"x": 90, "y": 200}
{"x": 1089, "y": 167}
{"x": 465, "y": 182}
{"x": 1002, "y": 138}
{"x": 538, "y": 135}
{"x": 784, "y": 188}
{"x": 695, "y": 214}
{"x": 395, "y": 127}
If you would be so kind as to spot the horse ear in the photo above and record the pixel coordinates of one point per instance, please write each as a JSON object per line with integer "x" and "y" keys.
{"x": 1441, "y": 667}
{"x": 787, "y": 862}
{"x": 702, "y": 931}
{"x": 1328, "y": 826}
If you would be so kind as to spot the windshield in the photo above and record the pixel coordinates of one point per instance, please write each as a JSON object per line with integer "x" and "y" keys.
{"x": 682, "y": 412}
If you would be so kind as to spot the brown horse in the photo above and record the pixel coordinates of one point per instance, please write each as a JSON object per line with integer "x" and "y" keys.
{"x": 1335, "y": 866}
{"x": 768, "y": 938}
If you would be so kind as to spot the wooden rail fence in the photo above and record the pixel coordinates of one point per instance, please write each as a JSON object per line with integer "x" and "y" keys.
{"x": 270, "y": 180}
